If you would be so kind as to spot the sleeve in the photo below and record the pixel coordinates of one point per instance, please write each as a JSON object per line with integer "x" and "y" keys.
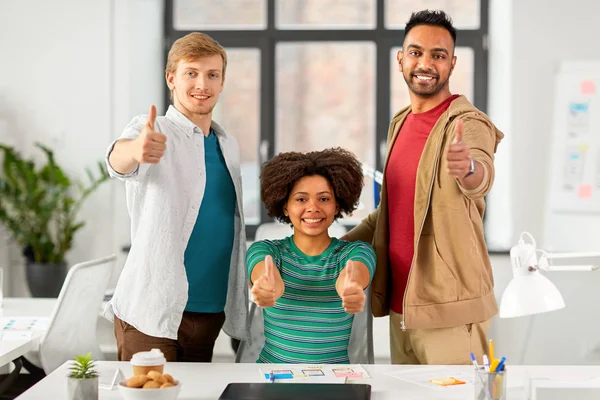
{"x": 366, "y": 229}
{"x": 363, "y": 252}
{"x": 257, "y": 253}
{"x": 131, "y": 131}
{"x": 482, "y": 138}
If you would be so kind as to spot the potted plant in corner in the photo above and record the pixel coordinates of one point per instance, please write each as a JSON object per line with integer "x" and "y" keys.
{"x": 39, "y": 208}
{"x": 82, "y": 382}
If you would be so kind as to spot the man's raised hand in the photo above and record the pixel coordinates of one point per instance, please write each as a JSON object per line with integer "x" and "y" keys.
{"x": 458, "y": 156}
{"x": 150, "y": 145}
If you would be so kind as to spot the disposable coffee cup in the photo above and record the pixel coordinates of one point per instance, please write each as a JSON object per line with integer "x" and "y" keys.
{"x": 146, "y": 361}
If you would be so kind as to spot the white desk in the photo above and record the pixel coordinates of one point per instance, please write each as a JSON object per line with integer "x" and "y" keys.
{"x": 22, "y": 307}
{"x": 206, "y": 381}
{"x": 41, "y": 307}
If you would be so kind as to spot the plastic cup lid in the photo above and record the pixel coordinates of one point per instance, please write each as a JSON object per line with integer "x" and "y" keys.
{"x": 148, "y": 358}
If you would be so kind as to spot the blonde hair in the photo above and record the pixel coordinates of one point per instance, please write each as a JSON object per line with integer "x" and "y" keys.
{"x": 191, "y": 47}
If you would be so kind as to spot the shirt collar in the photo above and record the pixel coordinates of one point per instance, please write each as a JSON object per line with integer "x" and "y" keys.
{"x": 186, "y": 125}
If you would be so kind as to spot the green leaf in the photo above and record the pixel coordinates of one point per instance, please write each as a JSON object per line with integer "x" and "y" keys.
{"x": 39, "y": 206}
{"x": 83, "y": 367}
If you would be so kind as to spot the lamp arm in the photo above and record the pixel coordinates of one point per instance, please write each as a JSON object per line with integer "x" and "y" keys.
{"x": 571, "y": 268}
{"x": 545, "y": 261}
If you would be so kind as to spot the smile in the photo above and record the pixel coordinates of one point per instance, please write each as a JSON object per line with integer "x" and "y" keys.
{"x": 424, "y": 78}
{"x": 312, "y": 220}
{"x": 200, "y": 97}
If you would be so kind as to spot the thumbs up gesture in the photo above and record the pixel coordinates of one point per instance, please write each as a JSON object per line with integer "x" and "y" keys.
{"x": 352, "y": 293}
{"x": 150, "y": 145}
{"x": 458, "y": 156}
{"x": 263, "y": 289}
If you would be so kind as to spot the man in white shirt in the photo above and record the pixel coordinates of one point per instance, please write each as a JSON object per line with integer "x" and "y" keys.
{"x": 184, "y": 278}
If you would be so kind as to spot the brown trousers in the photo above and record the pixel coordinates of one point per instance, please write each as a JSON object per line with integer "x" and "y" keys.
{"x": 447, "y": 346}
{"x": 195, "y": 338}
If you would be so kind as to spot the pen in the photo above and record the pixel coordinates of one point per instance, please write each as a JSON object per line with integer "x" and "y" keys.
{"x": 486, "y": 363}
{"x": 500, "y": 365}
{"x": 483, "y": 384}
{"x": 494, "y": 365}
{"x": 492, "y": 358}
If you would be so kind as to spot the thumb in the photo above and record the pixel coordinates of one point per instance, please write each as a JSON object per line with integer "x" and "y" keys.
{"x": 459, "y": 131}
{"x": 270, "y": 269}
{"x": 151, "y": 117}
{"x": 349, "y": 273}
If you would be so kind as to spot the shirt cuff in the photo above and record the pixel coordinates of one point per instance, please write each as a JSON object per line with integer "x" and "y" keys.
{"x": 113, "y": 172}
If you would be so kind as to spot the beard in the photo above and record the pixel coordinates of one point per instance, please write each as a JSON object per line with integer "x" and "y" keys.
{"x": 196, "y": 110}
{"x": 427, "y": 90}
{"x": 203, "y": 112}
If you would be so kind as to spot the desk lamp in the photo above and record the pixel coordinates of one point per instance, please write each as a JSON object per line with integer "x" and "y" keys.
{"x": 530, "y": 292}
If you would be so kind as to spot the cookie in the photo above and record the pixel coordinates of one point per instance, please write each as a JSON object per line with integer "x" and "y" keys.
{"x": 151, "y": 385}
{"x": 137, "y": 381}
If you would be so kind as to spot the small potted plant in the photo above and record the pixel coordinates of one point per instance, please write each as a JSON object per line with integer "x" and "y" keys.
{"x": 83, "y": 380}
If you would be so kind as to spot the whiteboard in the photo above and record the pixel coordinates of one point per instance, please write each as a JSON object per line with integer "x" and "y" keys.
{"x": 573, "y": 202}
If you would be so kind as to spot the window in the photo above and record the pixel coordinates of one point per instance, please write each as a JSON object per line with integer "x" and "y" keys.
{"x": 242, "y": 87}
{"x": 189, "y": 15}
{"x": 325, "y": 14}
{"x": 466, "y": 14}
{"x": 311, "y": 74}
{"x": 330, "y": 87}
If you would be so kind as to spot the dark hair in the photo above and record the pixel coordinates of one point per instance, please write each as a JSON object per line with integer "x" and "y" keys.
{"x": 340, "y": 167}
{"x": 433, "y": 18}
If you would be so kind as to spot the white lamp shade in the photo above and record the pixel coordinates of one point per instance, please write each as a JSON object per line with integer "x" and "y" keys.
{"x": 531, "y": 293}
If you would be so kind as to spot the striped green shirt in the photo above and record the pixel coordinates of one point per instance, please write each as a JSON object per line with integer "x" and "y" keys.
{"x": 308, "y": 323}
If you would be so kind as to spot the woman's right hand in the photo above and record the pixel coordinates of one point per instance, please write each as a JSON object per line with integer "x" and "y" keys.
{"x": 263, "y": 289}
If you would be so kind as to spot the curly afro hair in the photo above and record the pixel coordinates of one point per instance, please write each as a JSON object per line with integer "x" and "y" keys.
{"x": 340, "y": 167}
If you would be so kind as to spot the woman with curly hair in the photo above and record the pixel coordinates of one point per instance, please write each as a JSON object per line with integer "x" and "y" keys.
{"x": 310, "y": 284}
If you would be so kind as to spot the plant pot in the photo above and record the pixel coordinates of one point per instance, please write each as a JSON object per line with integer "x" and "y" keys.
{"x": 45, "y": 280}
{"x": 82, "y": 389}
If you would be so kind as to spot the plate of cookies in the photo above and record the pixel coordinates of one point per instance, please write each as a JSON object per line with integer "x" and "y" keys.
{"x": 151, "y": 386}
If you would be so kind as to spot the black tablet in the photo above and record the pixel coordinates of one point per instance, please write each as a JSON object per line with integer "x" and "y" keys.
{"x": 296, "y": 391}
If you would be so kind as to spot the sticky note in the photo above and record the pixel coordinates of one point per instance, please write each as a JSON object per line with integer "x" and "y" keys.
{"x": 584, "y": 191}
{"x": 447, "y": 381}
{"x": 588, "y": 87}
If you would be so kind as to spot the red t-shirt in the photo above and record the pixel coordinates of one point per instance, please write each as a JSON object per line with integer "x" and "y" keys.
{"x": 401, "y": 174}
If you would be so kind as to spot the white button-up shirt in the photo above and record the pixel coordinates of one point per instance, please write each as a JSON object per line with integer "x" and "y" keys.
{"x": 163, "y": 200}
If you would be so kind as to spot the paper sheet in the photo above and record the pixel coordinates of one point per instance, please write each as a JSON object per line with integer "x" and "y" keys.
{"x": 423, "y": 376}
{"x": 24, "y": 324}
{"x": 15, "y": 335}
{"x": 315, "y": 373}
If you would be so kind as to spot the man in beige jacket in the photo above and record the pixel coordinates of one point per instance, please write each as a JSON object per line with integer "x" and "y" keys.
{"x": 433, "y": 274}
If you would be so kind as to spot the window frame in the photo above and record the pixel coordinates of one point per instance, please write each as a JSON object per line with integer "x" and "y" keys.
{"x": 266, "y": 40}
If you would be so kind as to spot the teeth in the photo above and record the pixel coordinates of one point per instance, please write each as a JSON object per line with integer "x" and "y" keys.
{"x": 425, "y": 78}
{"x": 200, "y": 97}
{"x": 312, "y": 221}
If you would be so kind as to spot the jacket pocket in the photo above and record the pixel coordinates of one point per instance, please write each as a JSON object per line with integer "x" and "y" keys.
{"x": 432, "y": 281}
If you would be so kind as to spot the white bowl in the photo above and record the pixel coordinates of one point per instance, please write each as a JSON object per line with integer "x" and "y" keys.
{"x": 169, "y": 393}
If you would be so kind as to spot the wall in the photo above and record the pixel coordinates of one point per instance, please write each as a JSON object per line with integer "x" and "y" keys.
{"x": 73, "y": 74}
{"x": 543, "y": 37}
{"x": 528, "y": 41}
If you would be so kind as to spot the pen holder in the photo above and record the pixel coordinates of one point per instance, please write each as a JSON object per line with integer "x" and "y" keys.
{"x": 490, "y": 385}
